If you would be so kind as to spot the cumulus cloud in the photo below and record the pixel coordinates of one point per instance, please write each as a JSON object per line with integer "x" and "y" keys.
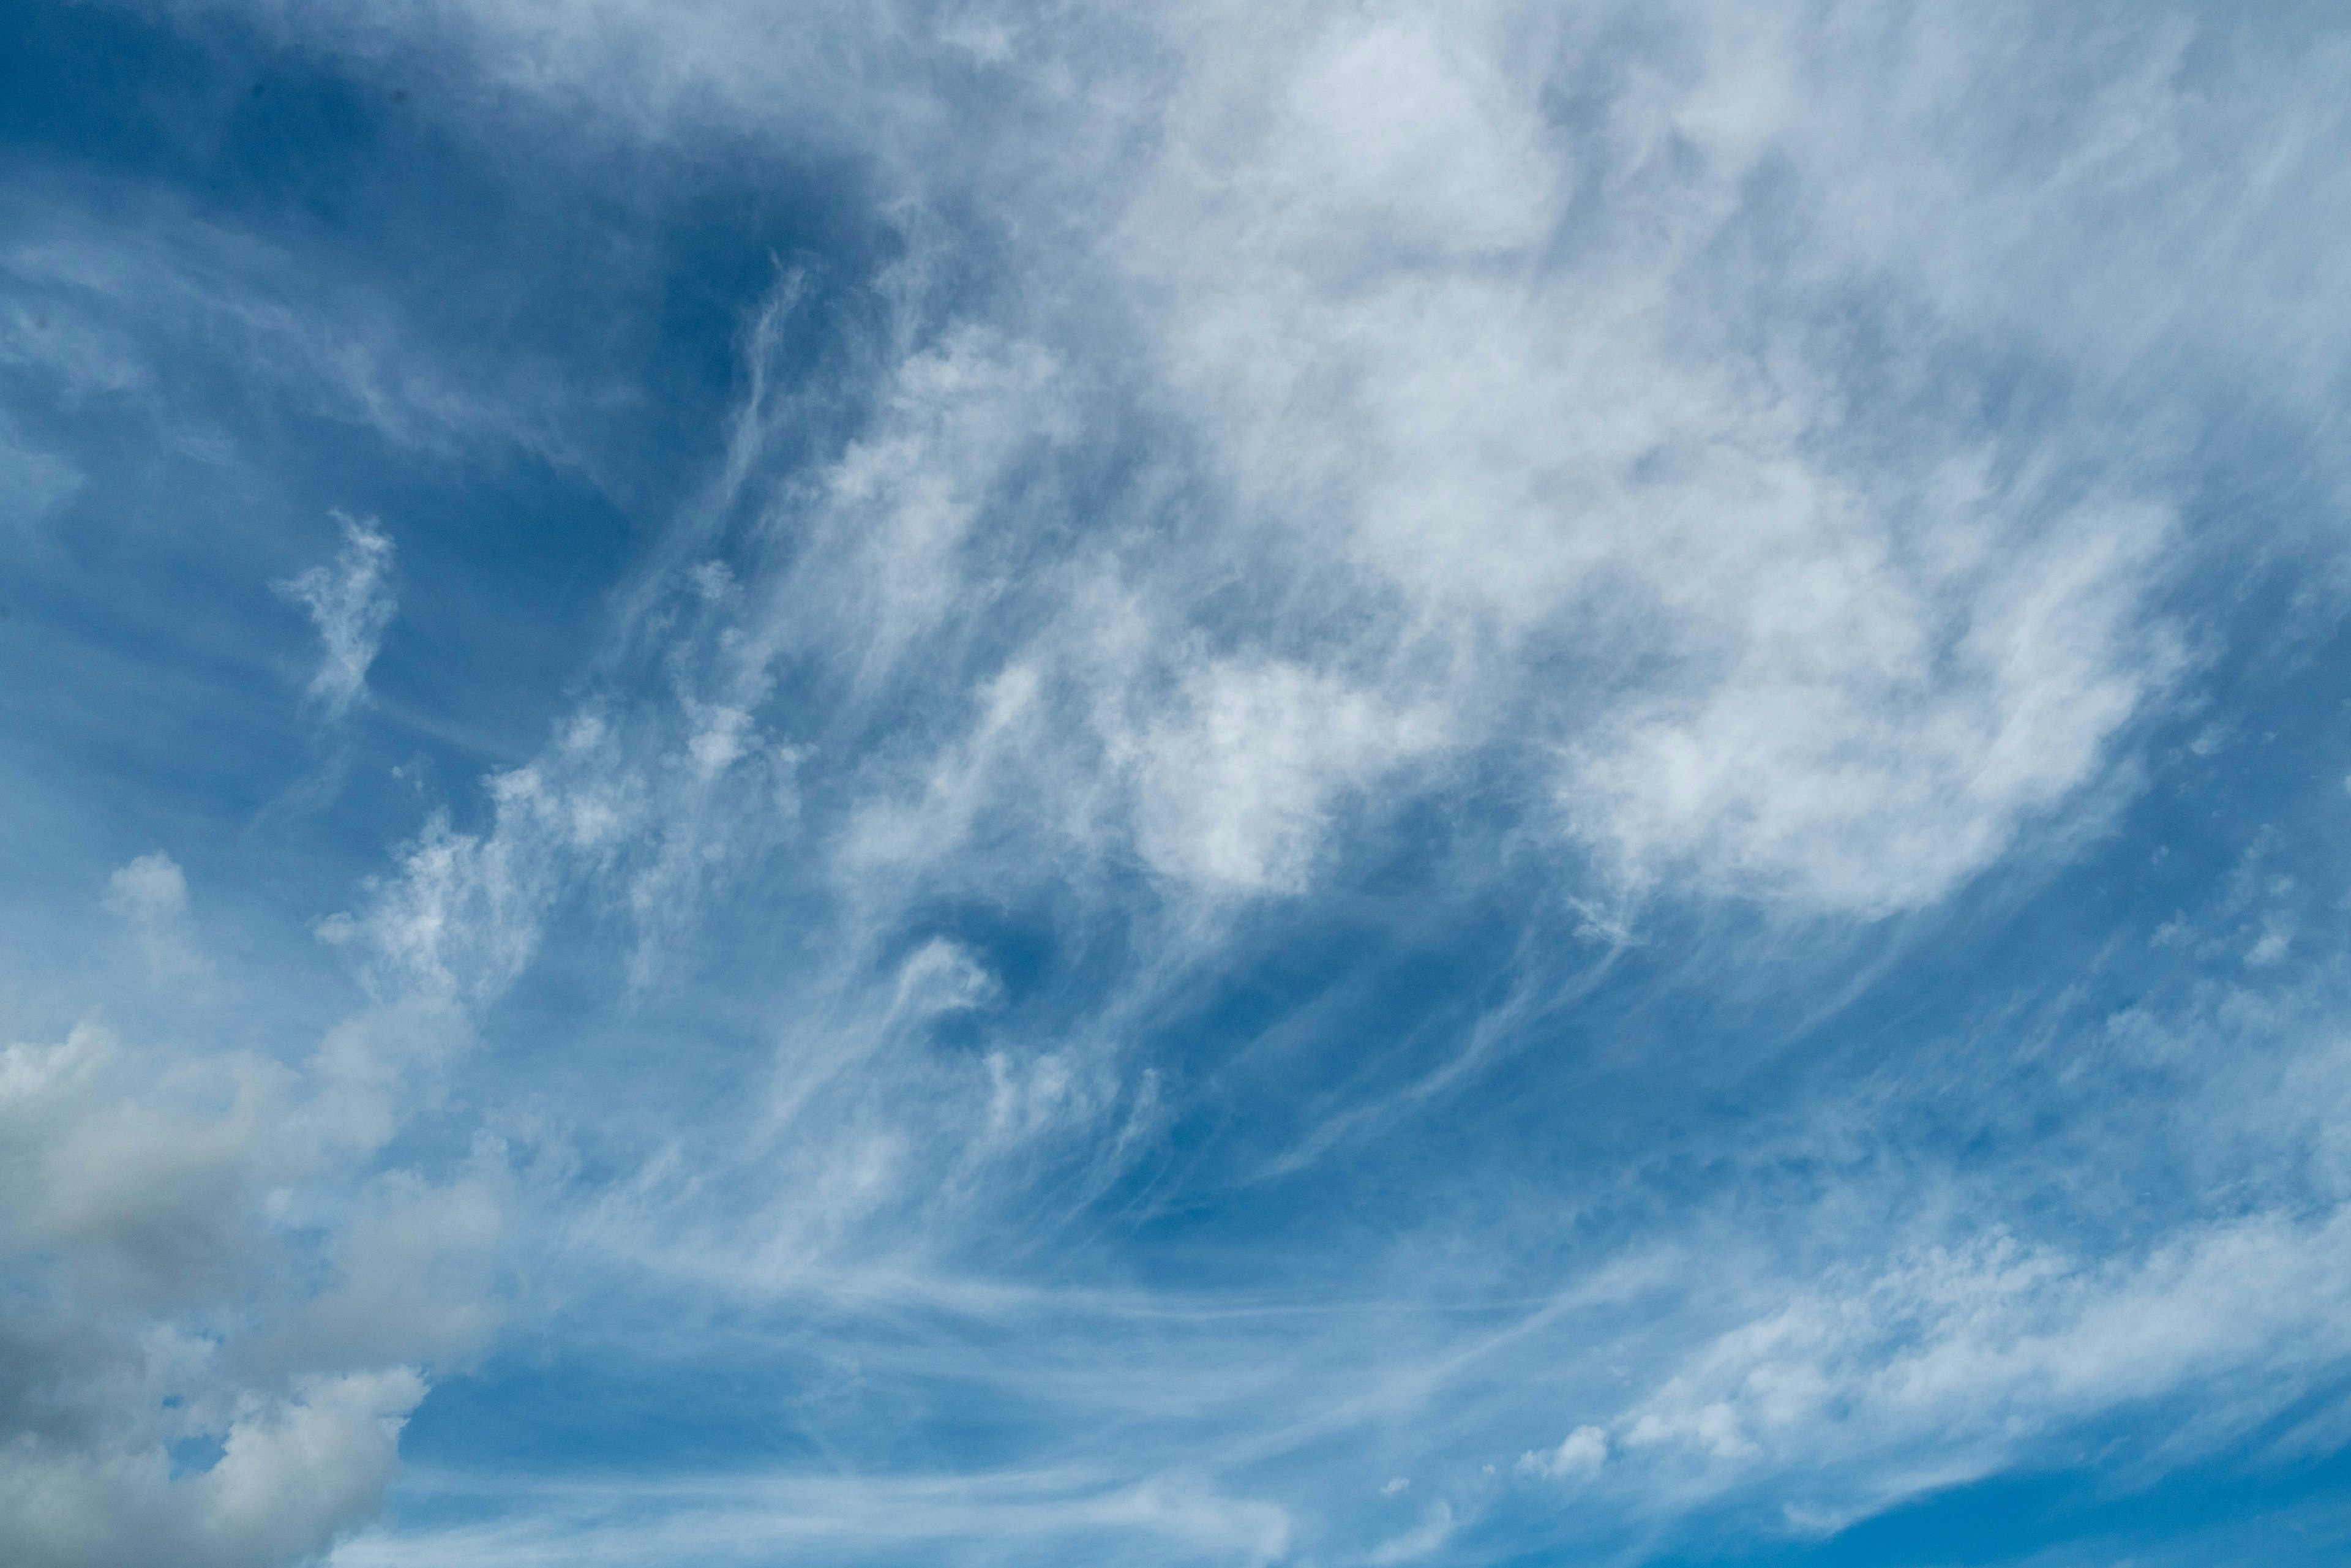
{"x": 150, "y": 1228}
{"x": 293, "y": 1473}
{"x": 350, "y": 602}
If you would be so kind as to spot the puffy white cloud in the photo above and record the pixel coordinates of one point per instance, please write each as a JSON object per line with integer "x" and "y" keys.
{"x": 156, "y": 1208}
{"x": 147, "y": 1193}
{"x": 294, "y": 1472}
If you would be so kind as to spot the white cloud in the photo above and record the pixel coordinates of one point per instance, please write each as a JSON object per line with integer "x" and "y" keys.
{"x": 1946, "y": 1365}
{"x": 1581, "y": 1453}
{"x": 150, "y": 888}
{"x": 150, "y": 896}
{"x": 155, "y": 1206}
{"x": 143, "y": 1192}
{"x": 1542, "y": 443}
{"x": 1795, "y": 667}
{"x": 1236, "y": 785}
{"x": 1856, "y": 754}
{"x": 294, "y": 1471}
{"x": 942, "y": 976}
{"x": 1492, "y": 438}
{"x": 350, "y": 604}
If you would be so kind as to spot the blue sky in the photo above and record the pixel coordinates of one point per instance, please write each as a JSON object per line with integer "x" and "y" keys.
{"x": 1194, "y": 784}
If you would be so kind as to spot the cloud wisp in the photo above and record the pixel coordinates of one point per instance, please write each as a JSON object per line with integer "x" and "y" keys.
{"x": 350, "y": 602}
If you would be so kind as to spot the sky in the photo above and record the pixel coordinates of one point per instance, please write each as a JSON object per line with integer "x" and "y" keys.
{"x": 1331, "y": 784}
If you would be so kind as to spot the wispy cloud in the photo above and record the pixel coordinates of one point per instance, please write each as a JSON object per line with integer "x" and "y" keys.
{"x": 351, "y": 601}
